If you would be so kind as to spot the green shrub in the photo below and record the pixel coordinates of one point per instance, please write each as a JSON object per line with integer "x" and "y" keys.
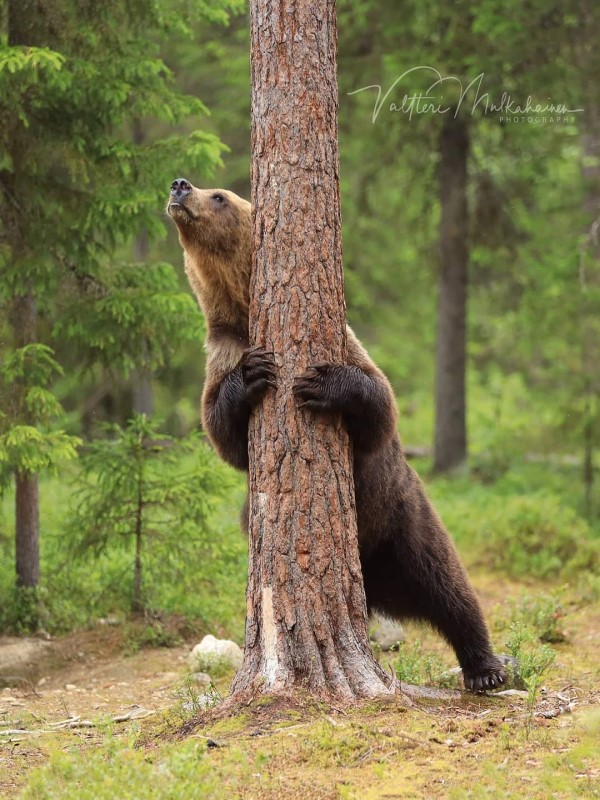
{"x": 534, "y": 536}
{"x": 202, "y": 578}
{"x": 533, "y": 662}
{"x": 151, "y": 634}
{"x": 418, "y": 668}
{"x": 20, "y": 611}
{"x": 537, "y": 537}
{"x": 543, "y": 614}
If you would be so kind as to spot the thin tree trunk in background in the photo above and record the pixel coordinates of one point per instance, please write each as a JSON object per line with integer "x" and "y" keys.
{"x": 590, "y": 288}
{"x": 450, "y": 445}
{"x": 588, "y": 60}
{"x": 27, "y": 523}
{"x": 22, "y": 19}
{"x": 143, "y": 395}
{"x": 137, "y": 604}
{"x": 306, "y": 624}
{"x": 27, "y": 517}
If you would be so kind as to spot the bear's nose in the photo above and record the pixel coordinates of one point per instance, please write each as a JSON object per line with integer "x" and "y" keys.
{"x": 180, "y": 188}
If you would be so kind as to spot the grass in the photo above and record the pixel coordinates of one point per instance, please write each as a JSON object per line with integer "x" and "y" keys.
{"x": 476, "y": 751}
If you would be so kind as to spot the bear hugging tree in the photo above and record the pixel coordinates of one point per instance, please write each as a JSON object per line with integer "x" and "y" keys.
{"x": 292, "y": 397}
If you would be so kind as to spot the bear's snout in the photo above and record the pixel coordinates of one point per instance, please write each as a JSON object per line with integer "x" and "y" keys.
{"x": 180, "y": 188}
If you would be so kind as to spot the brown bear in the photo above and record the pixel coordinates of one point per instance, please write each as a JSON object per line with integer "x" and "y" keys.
{"x": 410, "y": 566}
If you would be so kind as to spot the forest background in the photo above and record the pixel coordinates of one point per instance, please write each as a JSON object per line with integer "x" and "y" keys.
{"x": 102, "y": 107}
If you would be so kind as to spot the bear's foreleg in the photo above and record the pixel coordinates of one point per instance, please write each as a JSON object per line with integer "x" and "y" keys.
{"x": 227, "y": 404}
{"x": 365, "y": 401}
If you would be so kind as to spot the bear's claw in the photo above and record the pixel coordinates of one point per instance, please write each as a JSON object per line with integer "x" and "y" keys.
{"x": 484, "y": 678}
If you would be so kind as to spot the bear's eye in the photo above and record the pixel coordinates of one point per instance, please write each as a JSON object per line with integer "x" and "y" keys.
{"x": 219, "y": 198}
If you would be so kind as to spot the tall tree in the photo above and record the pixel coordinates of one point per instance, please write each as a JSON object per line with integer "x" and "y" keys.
{"x": 143, "y": 396}
{"x": 72, "y": 77}
{"x": 306, "y": 621}
{"x": 588, "y": 62}
{"x": 450, "y": 442}
{"x": 23, "y": 29}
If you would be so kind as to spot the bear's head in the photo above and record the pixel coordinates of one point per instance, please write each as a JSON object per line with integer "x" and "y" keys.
{"x": 215, "y": 231}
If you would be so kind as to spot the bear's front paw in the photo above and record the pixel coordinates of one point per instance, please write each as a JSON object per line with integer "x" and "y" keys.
{"x": 315, "y": 389}
{"x": 489, "y": 674}
{"x": 258, "y": 373}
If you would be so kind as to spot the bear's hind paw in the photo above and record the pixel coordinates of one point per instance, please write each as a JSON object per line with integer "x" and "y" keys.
{"x": 484, "y": 677}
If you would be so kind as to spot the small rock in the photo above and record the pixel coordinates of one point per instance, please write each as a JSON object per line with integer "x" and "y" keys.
{"x": 202, "y": 701}
{"x": 386, "y": 633}
{"x": 511, "y": 693}
{"x": 168, "y": 677}
{"x": 202, "y": 678}
{"x": 110, "y": 620}
{"x": 213, "y": 653}
{"x": 137, "y": 712}
{"x": 70, "y": 687}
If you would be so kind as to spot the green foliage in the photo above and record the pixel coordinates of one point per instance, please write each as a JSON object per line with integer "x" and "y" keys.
{"x": 182, "y": 770}
{"x": 419, "y": 668}
{"x": 543, "y": 613}
{"x": 202, "y": 579}
{"x": 192, "y": 701}
{"x": 537, "y": 537}
{"x": 81, "y": 178}
{"x": 116, "y": 325}
{"x": 534, "y": 661}
{"x": 152, "y": 634}
{"x": 137, "y": 492}
{"x": 26, "y": 446}
{"x": 534, "y": 658}
{"x": 28, "y": 449}
{"x": 20, "y": 612}
{"x": 518, "y": 527}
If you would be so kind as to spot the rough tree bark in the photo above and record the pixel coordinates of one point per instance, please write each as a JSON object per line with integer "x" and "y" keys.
{"x": 306, "y": 621}
{"x": 450, "y": 444}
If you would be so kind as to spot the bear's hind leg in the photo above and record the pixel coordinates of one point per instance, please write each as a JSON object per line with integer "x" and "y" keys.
{"x": 432, "y": 586}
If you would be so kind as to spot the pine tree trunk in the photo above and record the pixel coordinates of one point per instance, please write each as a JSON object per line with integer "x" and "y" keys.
{"x": 27, "y": 526}
{"x": 23, "y": 17}
{"x": 589, "y": 285}
{"x": 27, "y": 521}
{"x": 306, "y": 623}
{"x": 137, "y": 602}
{"x": 450, "y": 445}
{"x": 143, "y": 394}
{"x": 587, "y": 58}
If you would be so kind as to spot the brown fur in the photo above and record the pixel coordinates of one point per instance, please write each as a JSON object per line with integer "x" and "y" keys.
{"x": 410, "y": 566}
